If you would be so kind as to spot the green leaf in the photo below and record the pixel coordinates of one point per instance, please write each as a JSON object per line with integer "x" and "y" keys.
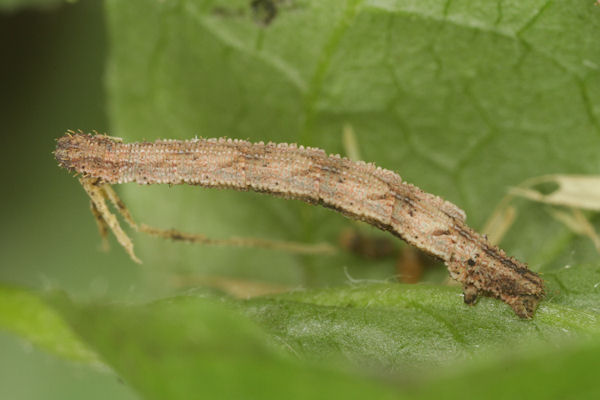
{"x": 462, "y": 99}
{"x": 24, "y": 314}
{"x": 195, "y": 347}
{"x": 407, "y": 327}
{"x": 200, "y": 344}
{"x": 565, "y": 373}
{"x": 197, "y": 344}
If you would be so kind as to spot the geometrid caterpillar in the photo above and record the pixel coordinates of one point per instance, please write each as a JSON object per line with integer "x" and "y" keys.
{"x": 356, "y": 189}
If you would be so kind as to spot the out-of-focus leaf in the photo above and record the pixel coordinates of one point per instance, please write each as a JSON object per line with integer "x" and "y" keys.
{"x": 26, "y": 315}
{"x": 200, "y": 344}
{"x": 195, "y": 347}
{"x": 566, "y": 373}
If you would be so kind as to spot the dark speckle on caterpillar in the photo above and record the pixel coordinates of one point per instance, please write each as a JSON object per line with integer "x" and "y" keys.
{"x": 358, "y": 190}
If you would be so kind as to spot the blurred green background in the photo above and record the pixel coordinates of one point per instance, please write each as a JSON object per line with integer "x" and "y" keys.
{"x": 52, "y": 67}
{"x": 463, "y": 98}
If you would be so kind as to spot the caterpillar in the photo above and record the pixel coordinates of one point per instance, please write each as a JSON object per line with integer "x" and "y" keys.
{"x": 356, "y": 189}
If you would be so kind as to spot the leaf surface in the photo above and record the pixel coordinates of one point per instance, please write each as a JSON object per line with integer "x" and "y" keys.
{"x": 195, "y": 347}
{"x": 463, "y": 100}
{"x": 202, "y": 343}
{"x": 26, "y": 315}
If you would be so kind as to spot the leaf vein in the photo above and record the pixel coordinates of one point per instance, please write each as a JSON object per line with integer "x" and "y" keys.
{"x": 588, "y": 106}
{"x": 222, "y": 34}
{"x": 322, "y": 66}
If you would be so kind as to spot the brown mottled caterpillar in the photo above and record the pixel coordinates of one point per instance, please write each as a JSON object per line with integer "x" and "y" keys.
{"x": 356, "y": 189}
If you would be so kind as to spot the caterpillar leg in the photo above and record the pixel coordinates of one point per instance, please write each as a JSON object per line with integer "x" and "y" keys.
{"x": 173, "y": 234}
{"x": 97, "y": 197}
{"x": 470, "y": 294}
{"x": 116, "y": 201}
{"x": 102, "y": 226}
